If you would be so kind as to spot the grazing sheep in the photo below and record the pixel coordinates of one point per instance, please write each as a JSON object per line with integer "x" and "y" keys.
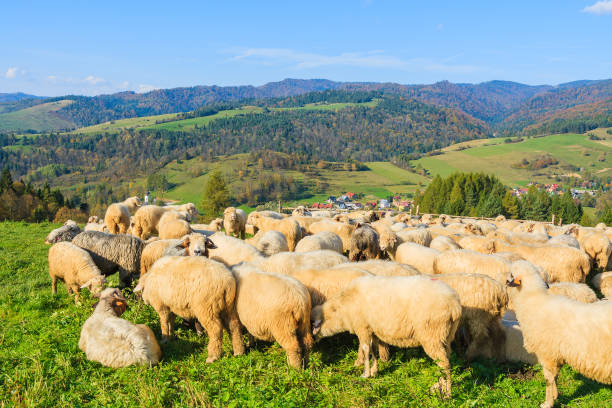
{"x": 323, "y": 284}
{"x": 286, "y": 263}
{"x": 67, "y": 232}
{"x": 269, "y": 214}
{"x": 364, "y": 243}
{"x": 194, "y": 287}
{"x": 417, "y": 256}
{"x": 443, "y": 243}
{"x": 400, "y": 311}
{"x": 519, "y": 237}
{"x": 320, "y": 240}
{"x": 170, "y": 228}
{"x": 94, "y": 219}
{"x": 112, "y": 253}
{"x": 117, "y": 217}
{"x": 94, "y": 226}
{"x": 398, "y": 226}
{"x": 231, "y": 251}
{"x": 564, "y": 239}
{"x": 421, "y": 236}
{"x": 189, "y": 245}
{"x": 234, "y": 222}
{"x": 287, "y": 226}
{"x": 484, "y": 301}
{"x": 275, "y": 308}
{"x": 562, "y": 263}
{"x": 146, "y": 220}
{"x": 560, "y": 330}
{"x": 466, "y": 261}
{"x": 301, "y": 211}
{"x": 580, "y": 292}
{"x": 115, "y": 342}
{"x": 75, "y": 267}
{"x": 270, "y": 242}
{"x": 382, "y": 268}
{"x": 598, "y": 247}
{"x": 363, "y": 216}
{"x": 344, "y": 231}
{"x": 531, "y": 227}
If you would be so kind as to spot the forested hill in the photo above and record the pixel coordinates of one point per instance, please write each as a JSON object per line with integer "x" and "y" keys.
{"x": 507, "y": 107}
{"x": 372, "y": 127}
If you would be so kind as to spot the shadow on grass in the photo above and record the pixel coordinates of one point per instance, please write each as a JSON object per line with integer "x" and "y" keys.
{"x": 587, "y": 387}
{"x": 336, "y": 348}
{"x": 180, "y": 349}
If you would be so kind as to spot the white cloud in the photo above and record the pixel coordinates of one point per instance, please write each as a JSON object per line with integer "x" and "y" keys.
{"x": 125, "y": 84}
{"x": 439, "y": 27}
{"x": 94, "y": 80}
{"x": 370, "y": 59}
{"x": 11, "y": 73}
{"x": 143, "y": 88}
{"x": 599, "y": 8}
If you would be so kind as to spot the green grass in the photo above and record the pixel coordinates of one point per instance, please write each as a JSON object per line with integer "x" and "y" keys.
{"x": 494, "y": 156}
{"x": 39, "y": 117}
{"x": 41, "y": 364}
{"x": 118, "y": 125}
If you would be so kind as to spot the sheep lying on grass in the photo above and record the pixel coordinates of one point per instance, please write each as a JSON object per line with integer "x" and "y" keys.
{"x": 560, "y": 330}
{"x": 112, "y": 253}
{"x": 117, "y": 217}
{"x": 194, "y": 287}
{"x": 75, "y": 267}
{"x": 67, "y": 232}
{"x": 275, "y": 308}
{"x": 115, "y": 342}
{"x": 401, "y": 311}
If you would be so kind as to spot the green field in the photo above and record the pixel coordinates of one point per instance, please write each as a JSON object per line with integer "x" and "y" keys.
{"x": 39, "y": 117}
{"x": 118, "y": 125}
{"x": 41, "y": 364}
{"x": 495, "y": 156}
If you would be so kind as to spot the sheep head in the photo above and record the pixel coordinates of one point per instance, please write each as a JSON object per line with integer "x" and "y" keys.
{"x": 197, "y": 245}
{"x": 95, "y": 285}
{"x": 525, "y": 275}
{"x": 113, "y": 299}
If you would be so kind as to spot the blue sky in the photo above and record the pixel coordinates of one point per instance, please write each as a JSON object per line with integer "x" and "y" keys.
{"x": 90, "y": 47}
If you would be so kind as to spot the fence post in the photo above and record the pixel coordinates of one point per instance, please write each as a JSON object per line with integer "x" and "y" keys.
{"x": 553, "y": 219}
{"x": 417, "y": 213}
{"x": 279, "y": 207}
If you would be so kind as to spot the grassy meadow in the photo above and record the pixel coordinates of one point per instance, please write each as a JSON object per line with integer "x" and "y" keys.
{"x": 41, "y": 364}
{"x": 495, "y": 156}
{"x": 37, "y": 117}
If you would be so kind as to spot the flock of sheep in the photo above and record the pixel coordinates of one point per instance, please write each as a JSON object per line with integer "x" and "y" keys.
{"x": 504, "y": 289}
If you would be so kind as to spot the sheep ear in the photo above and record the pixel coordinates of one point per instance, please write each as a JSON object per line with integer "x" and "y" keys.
{"x": 514, "y": 283}
{"x": 209, "y": 244}
{"x": 185, "y": 242}
{"x": 358, "y": 224}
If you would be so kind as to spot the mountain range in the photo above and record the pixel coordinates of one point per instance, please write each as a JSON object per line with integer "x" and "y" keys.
{"x": 504, "y": 107}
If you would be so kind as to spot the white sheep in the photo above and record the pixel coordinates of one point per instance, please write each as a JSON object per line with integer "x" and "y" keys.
{"x": 466, "y": 261}
{"x": 561, "y": 330}
{"x": 232, "y": 251}
{"x": 344, "y": 231}
{"x": 382, "y": 267}
{"x": 400, "y": 311}
{"x": 417, "y": 256}
{"x": 234, "y": 222}
{"x": 286, "y": 263}
{"x": 270, "y": 242}
{"x": 115, "y": 342}
{"x": 579, "y": 292}
{"x": 287, "y": 226}
{"x": 443, "y": 243}
{"x": 117, "y": 217}
{"x": 275, "y": 308}
{"x": 320, "y": 240}
{"x": 75, "y": 267}
{"x": 194, "y": 287}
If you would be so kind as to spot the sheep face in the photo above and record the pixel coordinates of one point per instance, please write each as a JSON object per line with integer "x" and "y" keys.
{"x": 114, "y": 298}
{"x": 324, "y": 322}
{"x": 191, "y": 209}
{"x": 524, "y": 275}
{"x": 216, "y": 224}
{"x": 197, "y": 245}
{"x": 95, "y": 285}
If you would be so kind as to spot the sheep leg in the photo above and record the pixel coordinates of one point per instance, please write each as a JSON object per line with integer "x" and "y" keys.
{"x": 250, "y": 340}
{"x": 374, "y": 367}
{"x": 54, "y": 284}
{"x": 75, "y": 289}
{"x": 365, "y": 341}
{"x": 550, "y": 370}
{"x": 290, "y": 343}
{"x": 383, "y": 351}
{"x": 214, "y": 329}
{"x": 359, "y": 360}
{"x": 166, "y": 320}
{"x": 235, "y": 331}
{"x": 306, "y": 343}
{"x": 440, "y": 353}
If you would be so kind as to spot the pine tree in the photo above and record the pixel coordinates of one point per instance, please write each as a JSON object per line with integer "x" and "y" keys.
{"x": 216, "y": 195}
{"x": 6, "y": 180}
{"x": 511, "y": 205}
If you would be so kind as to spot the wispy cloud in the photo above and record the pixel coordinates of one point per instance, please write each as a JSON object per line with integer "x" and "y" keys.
{"x": 599, "y": 8}
{"x": 11, "y": 73}
{"x": 370, "y": 59}
{"x": 94, "y": 80}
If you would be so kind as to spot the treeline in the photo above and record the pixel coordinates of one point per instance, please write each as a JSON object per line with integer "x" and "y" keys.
{"x": 482, "y": 195}
{"x": 354, "y": 133}
{"x": 22, "y": 202}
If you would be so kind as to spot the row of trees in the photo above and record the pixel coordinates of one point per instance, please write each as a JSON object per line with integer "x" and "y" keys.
{"x": 482, "y": 195}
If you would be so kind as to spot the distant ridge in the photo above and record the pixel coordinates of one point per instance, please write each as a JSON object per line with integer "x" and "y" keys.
{"x": 17, "y": 96}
